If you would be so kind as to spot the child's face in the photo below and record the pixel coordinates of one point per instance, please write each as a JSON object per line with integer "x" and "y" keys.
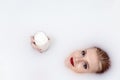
{"x": 82, "y": 61}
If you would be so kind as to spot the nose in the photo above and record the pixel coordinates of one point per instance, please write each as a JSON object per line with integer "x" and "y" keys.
{"x": 78, "y": 59}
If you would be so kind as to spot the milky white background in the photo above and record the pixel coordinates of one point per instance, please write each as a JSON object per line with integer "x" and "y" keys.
{"x": 71, "y": 24}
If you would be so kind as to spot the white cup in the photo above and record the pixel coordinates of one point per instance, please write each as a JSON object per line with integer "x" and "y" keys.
{"x": 42, "y": 41}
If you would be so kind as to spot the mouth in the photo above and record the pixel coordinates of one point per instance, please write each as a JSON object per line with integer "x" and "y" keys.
{"x": 71, "y": 61}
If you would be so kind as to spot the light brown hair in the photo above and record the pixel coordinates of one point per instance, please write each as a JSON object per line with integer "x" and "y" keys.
{"x": 104, "y": 60}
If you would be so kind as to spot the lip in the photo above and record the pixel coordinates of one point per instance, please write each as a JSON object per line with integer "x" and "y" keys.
{"x": 71, "y": 61}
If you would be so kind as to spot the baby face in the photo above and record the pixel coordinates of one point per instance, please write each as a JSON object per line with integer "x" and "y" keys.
{"x": 83, "y": 61}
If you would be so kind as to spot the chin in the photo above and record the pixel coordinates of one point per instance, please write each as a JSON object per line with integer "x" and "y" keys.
{"x": 69, "y": 65}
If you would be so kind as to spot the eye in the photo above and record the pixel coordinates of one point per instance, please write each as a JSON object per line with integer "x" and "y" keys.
{"x": 85, "y": 66}
{"x": 83, "y": 53}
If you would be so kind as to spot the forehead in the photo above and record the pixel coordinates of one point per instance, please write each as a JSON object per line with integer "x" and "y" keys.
{"x": 92, "y": 58}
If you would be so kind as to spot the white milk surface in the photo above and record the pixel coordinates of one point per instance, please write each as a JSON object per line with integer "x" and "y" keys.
{"x": 71, "y": 24}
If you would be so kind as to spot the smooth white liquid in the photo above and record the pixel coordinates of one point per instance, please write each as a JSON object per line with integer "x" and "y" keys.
{"x": 73, "y": 24}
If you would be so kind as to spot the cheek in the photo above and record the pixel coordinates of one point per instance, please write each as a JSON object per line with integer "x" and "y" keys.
{"x": 75, "y": 54}
{"x": 79, "y": 68}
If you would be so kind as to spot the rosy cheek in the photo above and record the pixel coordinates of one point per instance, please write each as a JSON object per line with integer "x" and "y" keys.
{"x": 78, "y": 66}
{"x": 79, "y": 69}
{"x": 76, "y": 54}
{"x": 72, "y": 55}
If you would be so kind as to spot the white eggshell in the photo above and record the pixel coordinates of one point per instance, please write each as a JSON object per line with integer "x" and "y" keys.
{"x": 41, "y": 40}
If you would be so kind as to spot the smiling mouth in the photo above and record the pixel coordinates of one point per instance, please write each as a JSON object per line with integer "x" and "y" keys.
{"x": 71, "y": 61}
